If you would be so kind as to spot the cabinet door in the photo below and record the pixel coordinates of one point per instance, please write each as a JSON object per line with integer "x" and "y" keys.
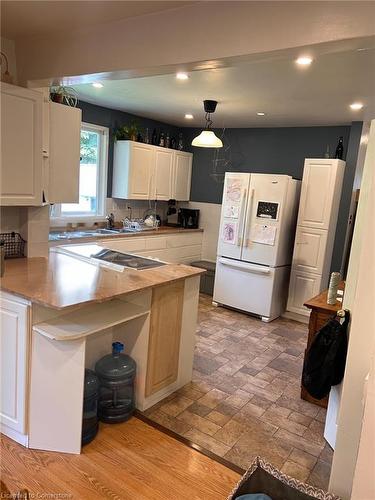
{"x": 164, "y": 341}
{"x": 310, "y": 249}
{"x": 140, "y": 170}
{"x": 64, "y": 153}
{"x": 162, "y": 174}
{"x": 182, "y": 176}
{"x": 21, "y": 146}
{"x": 303, "y": 286}
{"x": 318, "y": 186}
{"x": 14, "y": 330}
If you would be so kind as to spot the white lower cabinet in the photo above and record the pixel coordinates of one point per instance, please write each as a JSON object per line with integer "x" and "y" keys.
{"x": 177, "y": 248}
{"x": 309, "y": 249}
{"x": 303, "y": 286}
{"x": 14, "y": 341}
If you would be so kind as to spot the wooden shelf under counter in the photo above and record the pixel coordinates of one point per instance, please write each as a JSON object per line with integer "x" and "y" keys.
{"x": 321, "y": 312}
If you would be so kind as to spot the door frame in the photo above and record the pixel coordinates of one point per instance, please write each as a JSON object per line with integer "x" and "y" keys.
{"x": 359, "y": 298}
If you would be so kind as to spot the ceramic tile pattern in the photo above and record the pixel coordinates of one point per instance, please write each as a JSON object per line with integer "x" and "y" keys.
{"x": 244, "y": 399}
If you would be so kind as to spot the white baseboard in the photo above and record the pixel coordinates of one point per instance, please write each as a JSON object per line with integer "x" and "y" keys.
{"x": 296, "y": 317}
{"x": 15, "y": 435}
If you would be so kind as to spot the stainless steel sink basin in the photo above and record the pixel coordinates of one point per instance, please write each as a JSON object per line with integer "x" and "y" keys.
{"x": 91, "y": 233}
{"x": 106, "y": 231}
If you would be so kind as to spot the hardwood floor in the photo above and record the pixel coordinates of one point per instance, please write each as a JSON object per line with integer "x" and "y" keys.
{"x": 126, "y": 461}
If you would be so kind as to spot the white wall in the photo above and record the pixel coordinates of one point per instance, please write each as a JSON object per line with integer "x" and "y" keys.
{"x": 364, "y": 478}
{"x": 9, "y": 49}
{"x": 203, "y": 31}
{"x": 209, "y": 221}
{"x": 359, "y": 298}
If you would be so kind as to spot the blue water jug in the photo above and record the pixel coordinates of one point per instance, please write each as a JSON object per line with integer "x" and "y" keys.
{"x": 116, "y": 373}
{"x": 90, "y": 407}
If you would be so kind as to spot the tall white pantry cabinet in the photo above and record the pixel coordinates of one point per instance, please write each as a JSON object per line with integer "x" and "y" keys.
{"x": 316, "y": 227}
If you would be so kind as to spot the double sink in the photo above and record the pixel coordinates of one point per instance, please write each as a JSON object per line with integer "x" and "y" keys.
{"x": 90, "y": 233}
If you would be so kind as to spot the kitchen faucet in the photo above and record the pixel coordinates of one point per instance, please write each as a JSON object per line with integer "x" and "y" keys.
{"x": 110, "y": 221}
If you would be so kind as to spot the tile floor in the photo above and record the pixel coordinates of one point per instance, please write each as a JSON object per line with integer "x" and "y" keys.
{"x": 244, "y": 399}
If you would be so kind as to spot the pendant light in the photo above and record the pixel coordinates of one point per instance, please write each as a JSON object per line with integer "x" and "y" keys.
{"x": 207, "y": 138}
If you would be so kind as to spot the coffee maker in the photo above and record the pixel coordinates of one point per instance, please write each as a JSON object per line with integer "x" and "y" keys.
{"x": 188, "y": 218}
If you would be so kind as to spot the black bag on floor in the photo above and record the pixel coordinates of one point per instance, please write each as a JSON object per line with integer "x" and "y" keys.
{"x": 324, "y": 364}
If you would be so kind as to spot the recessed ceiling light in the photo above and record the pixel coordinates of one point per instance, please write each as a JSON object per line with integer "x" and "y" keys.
{"x": 260, "y": 113}
{"x": 97, "y": 85}
{"x": 356, "y": 106}
{"x": 182, "y": 76}
{"x": 189, "y": 116}
{"x": 304, "y": 60}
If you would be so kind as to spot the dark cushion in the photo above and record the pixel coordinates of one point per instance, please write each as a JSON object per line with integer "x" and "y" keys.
{"x": 263, "y": 477}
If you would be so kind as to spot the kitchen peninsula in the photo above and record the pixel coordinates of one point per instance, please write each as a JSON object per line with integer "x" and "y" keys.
{"x": 60, "y": 315}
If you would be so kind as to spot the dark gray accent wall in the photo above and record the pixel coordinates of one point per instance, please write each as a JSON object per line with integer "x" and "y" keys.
{"x": 113, "y": 119}
{"x": 277, "y": 151}
{"x": 261, "y": 150}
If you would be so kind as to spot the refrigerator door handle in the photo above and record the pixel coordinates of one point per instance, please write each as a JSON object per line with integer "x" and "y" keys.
{"x": 244, "y": 266}
{"x": 248, "y": 215}
{"x": 240, "y": 220}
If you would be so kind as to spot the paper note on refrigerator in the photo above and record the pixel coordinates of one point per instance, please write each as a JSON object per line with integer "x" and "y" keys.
{"x": 233, "y": 191}
{"x": 232, "y": 211}
{"x": 263, "y": 233}
{"x": 230, "y": 232}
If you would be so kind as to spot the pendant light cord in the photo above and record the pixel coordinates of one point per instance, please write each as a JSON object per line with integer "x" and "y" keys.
{"x": 208, "y": 121}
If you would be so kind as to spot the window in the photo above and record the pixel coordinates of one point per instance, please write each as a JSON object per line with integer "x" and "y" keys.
{"x": 92, "y": 176}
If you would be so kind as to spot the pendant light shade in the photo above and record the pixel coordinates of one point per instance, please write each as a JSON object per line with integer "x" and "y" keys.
{"x": 207, "y": 138}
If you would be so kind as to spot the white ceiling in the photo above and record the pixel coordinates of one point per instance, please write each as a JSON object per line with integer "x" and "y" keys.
{"x": 21, "y": 19}
{"x": 288, "y": 94}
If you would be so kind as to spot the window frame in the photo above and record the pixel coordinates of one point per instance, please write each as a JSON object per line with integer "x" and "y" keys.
{"x": 57, "y": 216}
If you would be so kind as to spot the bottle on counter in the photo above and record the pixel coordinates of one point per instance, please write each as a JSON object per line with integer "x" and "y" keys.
{"x": 168, "y": 141}
{"x": 162, "y": 140}
{"x": 154, "y": 139}
{"x": 146, "y": 138}
{"x": 340, "y": 149}
{"x": 180, "y": 145}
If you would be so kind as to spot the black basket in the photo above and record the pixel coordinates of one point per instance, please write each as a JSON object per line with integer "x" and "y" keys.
{"x": 14, "y": 245}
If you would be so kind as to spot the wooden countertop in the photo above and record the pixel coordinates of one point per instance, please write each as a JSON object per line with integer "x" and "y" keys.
{"x": 320, "y": 301}
{"x": 62, "y": 281}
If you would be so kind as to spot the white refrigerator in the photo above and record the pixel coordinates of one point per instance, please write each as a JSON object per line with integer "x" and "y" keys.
{"x": 255, "y": 245}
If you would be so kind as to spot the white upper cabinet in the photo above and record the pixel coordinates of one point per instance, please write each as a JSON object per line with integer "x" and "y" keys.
{"x": 162, "y": 176}
{"x": 132, "y": 170}
{"x": 21, "y": 146}
{"x": 320, "y": 194}
{"x": 64, "y": 153}
{"x": 147, "y": 172}
{"x": 182, "y": 176}
{"x": 40, "y": 148}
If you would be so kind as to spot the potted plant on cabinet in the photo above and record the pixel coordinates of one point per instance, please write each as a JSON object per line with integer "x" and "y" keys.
{"x": 127, "y": 132}
{"x": 64, "y": 95}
